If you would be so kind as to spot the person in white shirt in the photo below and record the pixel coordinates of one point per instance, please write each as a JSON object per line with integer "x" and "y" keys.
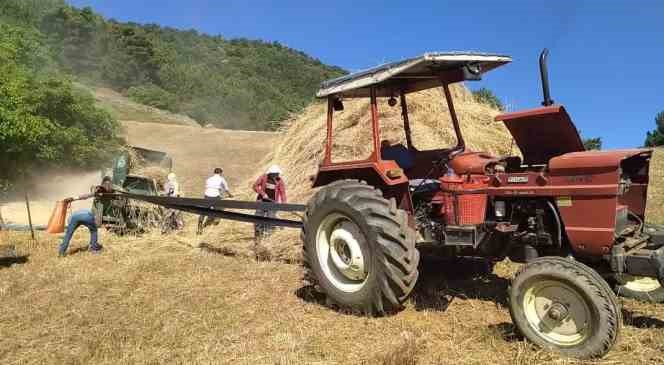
{"x": 173, "y": 218}
{"x": 172, "y": 188}
{"x": 215, "y": 188}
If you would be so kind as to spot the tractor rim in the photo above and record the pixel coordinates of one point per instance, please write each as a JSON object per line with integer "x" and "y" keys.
{"x": 558, "y": 313}
{"x": 641, "y": 284}
{"x": 339, "y": 244}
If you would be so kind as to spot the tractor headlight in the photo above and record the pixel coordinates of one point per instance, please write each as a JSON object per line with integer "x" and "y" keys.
{"x": 499, "y": 208}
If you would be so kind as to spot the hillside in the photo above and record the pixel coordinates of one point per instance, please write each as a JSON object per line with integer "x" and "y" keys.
{"x": 197, "y": 151}
{"x": 123, "y": 108}
{"x": 231, "y": 83}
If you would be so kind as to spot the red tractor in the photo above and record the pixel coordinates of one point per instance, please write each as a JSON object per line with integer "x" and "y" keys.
{"x": 574, "y": 217}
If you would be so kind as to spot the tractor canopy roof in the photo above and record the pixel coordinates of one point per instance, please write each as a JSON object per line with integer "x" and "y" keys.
{"x": 413, "y": 74}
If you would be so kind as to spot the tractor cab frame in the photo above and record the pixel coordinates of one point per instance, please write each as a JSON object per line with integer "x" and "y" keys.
{"x": 397, "y": 80}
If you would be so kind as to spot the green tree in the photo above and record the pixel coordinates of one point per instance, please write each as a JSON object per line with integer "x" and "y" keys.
{"x": 152, "y": 95}
{"x": 44, "y": 121}
{"x": 486, "y": 96}
{"x": 237, "y": 83}
{"x": 656, "y": 137}
{"x": 592, "y": 143}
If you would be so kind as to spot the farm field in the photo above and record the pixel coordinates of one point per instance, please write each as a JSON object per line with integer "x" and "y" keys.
{"x": 187, "y": 299}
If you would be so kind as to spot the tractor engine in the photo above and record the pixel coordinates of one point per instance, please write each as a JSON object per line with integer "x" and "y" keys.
{"x": 527, "y": 229}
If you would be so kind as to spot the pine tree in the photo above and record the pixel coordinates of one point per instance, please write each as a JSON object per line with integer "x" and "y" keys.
{"x": 656, "y": 137}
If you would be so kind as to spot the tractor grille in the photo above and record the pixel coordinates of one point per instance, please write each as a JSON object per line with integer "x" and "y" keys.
{"x": 464, "y": 202}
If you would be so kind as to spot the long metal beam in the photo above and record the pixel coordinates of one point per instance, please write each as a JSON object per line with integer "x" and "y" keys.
{"x": 216, "y": 208}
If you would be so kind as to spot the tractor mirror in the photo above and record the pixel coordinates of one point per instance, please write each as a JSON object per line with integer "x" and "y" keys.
{"x": 472, "y": 72}
{"x": 337, "y": 105}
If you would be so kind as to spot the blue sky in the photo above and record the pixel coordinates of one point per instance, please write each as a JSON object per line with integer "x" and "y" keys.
{"x": 605, "y": 64}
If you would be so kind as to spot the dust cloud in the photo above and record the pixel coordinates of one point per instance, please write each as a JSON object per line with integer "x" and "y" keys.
{"x": 44, "y": 191}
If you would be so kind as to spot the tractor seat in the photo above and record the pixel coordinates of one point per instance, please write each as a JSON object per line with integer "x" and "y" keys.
{"x": 423, "y": 186}
{"x": 397, "y": 153}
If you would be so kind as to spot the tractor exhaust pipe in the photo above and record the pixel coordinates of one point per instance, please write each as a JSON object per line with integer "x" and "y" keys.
{"x": 544, "y": 74}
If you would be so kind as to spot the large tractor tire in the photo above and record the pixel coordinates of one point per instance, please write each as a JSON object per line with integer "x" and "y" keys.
{"x": 359, "y": 249}
{"x": 565, "y": 306}
{"x": 640, "y": 288}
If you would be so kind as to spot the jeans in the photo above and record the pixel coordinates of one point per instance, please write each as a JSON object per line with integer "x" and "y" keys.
{"x": 262, "y": 230}
{"x": 204, "y": 221}
{"x": 83, "y": 217}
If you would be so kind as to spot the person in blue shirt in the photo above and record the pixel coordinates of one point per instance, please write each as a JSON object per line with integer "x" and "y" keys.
{"x": 398, "y": 153}
{"x": 90, "y": 218}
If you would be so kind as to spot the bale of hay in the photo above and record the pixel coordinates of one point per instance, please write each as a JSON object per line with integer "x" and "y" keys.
{"x": 158, "y": 173}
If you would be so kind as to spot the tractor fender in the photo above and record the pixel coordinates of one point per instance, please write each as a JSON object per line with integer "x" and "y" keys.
{"x": 380, "y": 174}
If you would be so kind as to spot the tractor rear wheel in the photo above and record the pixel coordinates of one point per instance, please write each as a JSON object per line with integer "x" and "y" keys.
{"x": 565, "y": 306}
{"x": 640, "y": 288}
{"x": 359, "y": 249}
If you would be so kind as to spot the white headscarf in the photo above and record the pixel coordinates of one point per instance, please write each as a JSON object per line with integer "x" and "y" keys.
{"x": 274, "y": 169}
{"x": 172, "y": 187}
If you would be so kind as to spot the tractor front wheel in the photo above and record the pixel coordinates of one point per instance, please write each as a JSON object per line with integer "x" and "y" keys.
{"x": 359, "y": 249}
{"x": 565, "y": 306}
{"x": 640, "y": 288}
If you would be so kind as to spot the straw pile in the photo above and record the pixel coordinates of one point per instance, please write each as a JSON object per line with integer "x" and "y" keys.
{"x": 140, "y": 167}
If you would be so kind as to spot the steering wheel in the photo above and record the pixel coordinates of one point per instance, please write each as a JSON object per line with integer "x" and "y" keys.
{"x": 445, "y": 158}
{"x": 455, "y": 152}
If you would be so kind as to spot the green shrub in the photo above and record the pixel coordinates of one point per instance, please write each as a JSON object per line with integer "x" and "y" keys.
{"x": 593, "y": 143}
{"x": 656, "y": 137}
{"x": 486, "y": 96}
{"x": 153, "y": 95}
{"x": 44, "y": 121}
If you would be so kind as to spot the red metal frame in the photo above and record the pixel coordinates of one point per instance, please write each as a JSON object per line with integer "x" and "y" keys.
{"x": 406, "y": 120}
{"x": 455, "y": 121}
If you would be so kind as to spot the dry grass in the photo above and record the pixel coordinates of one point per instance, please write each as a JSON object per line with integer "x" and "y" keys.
{"x": 186, "y": 299}
{"x": 125, "y": 109}
{"x": 655, "y": 207}
{"x": 159, "y": 300}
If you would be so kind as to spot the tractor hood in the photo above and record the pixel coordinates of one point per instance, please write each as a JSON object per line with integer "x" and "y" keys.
{"x": 543, "y": 133}
{"x": 593, "y": 159}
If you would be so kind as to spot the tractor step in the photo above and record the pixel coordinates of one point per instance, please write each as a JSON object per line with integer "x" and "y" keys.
{"x": 466, "y": 236}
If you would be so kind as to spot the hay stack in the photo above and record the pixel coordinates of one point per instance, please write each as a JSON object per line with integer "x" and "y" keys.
{"x": 157, "y": 173}
{"x": 300, "y": 148}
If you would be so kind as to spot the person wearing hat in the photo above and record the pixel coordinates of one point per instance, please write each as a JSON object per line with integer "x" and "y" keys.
{"x": 171, "y": 188}
{"x": 215, "y": 188}
{"x": 90, "y": 218}
{"x": 172, "y": 218}
{"x": 269, "y": 187}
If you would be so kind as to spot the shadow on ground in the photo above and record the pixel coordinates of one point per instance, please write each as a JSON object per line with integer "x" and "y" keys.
{"x": 637, "y": 320}
{"x": 12, "y": 260}
{"x": 507, "y": 331}
{"x": 442, "y": 281}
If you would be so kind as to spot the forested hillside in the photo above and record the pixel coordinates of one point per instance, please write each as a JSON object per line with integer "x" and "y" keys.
{"x": 231, "y": 83}
{"x": 45, "y": 121}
